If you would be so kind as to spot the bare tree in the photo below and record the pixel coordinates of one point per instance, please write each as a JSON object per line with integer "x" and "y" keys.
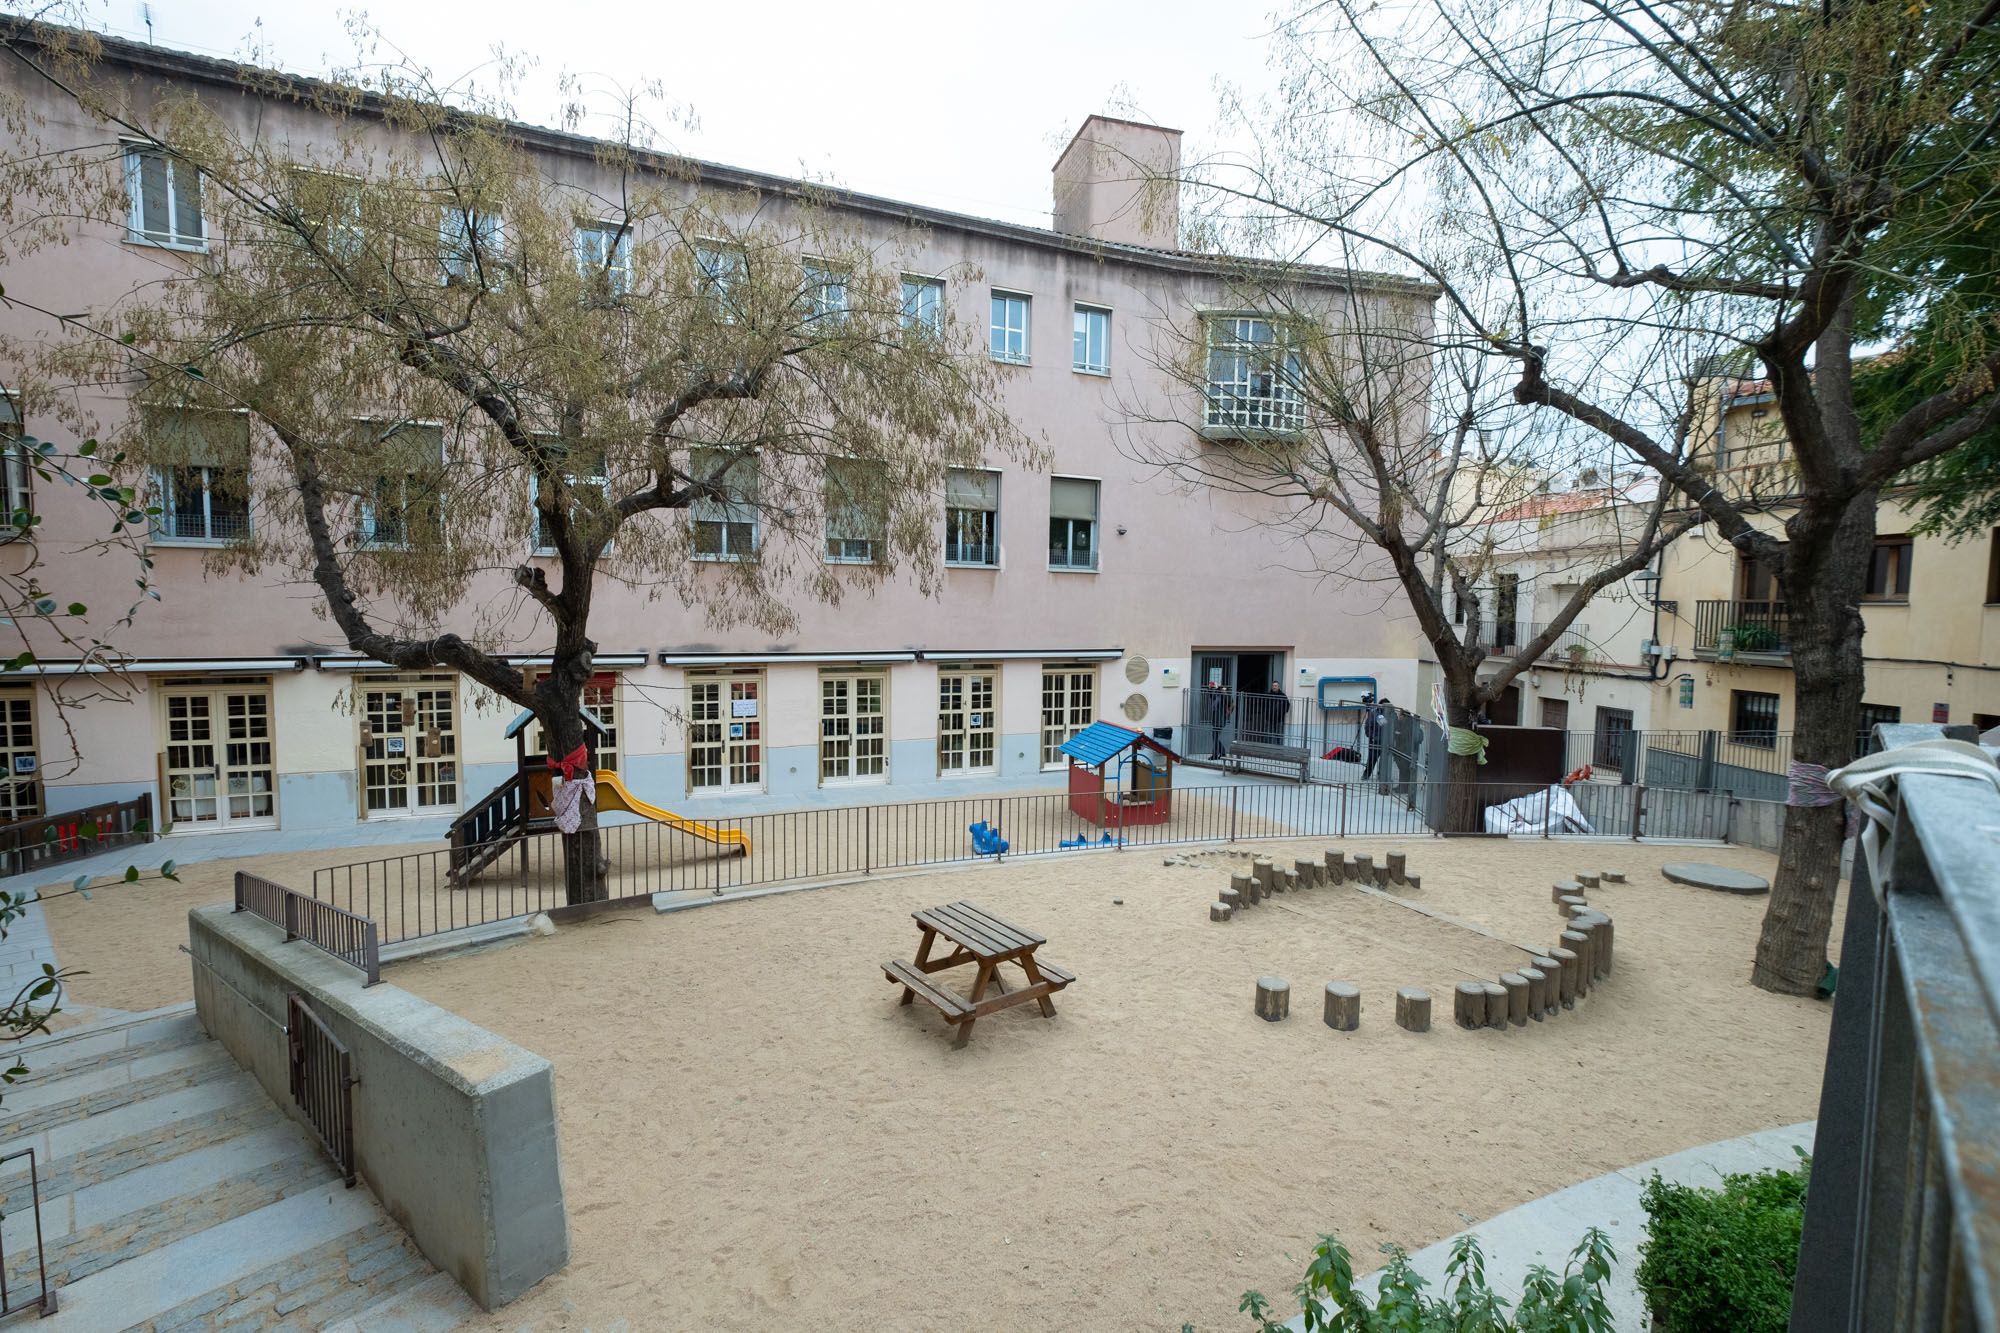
{"x": 465, "y": 373}
{"x": 1653, "y": 186}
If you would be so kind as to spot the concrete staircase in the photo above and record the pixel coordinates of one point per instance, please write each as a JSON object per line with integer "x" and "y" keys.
{"x": 176, "y": 1195}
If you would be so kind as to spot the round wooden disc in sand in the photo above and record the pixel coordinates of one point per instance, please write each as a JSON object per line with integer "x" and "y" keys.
{"x": 1720, "y": 878}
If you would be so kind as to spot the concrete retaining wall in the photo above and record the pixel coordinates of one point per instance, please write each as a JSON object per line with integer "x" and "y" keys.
{"x": 454, "y": 1127}
{"x": 1761, "y": 824}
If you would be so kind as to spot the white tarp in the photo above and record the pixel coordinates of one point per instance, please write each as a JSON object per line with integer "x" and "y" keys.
{"x": 1524, "y": 814}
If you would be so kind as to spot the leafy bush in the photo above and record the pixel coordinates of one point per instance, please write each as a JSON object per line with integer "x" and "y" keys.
{"x": 1717, "y": 1260}
{"x": 1573, "y": 1303}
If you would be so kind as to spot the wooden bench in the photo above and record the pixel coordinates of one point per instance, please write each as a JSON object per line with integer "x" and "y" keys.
{"x": 955, "y": 1008}
{"x": 1259, "y": 752}
{"x": 984, "y": 941}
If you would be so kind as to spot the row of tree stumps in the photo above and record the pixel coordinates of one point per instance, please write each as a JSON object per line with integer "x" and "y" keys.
{"x": 1552, "y": 982}
{"x": 1342, "y": 1010}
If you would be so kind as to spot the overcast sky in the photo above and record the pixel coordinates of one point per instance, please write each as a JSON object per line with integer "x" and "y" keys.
{"x": 950, "y": 104}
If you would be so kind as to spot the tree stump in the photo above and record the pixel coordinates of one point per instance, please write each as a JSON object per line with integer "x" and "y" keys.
{"x": 1516, "y": 987}
{"x": 1496, "y": 1005}
{"x": 1602, "y": 943}
{"x": 1468, "y": 1007}
{"x": 1398, "y": 866}
{"x": 1266, "y": 875}
{"x": 1363, "y": 870}
{"x": 1343, "y": 1006}
{"x": 1570, "y": 905}
{"x": 1565, "y": 976}
{"x": 1413, "y": 883}
{"x": 1231, "y": 898}
{"x": 1551, "y": 971}
{"x": 1563, "y": 887}
{"x": 1538, "y": 992}
{"x": 1588, "y": 878}
{"x": 1413, "y": 1009}
{"x": 1220, "y": 911}
{"x": 1578, "y": 943}
{"x": 1336, "y": 866}
{"x": 1243, "y": 887}
{"x": 1613, "y": 876}
{"x": 1292, "y": 881}
{"x": 1307, "y": 871}
{"x": 1274, "y": 998}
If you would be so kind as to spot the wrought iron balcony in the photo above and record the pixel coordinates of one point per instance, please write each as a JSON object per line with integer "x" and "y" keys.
{"x": 1729, "y": 629}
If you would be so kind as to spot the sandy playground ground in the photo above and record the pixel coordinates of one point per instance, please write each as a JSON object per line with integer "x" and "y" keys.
{"x": 755, "y": 1134}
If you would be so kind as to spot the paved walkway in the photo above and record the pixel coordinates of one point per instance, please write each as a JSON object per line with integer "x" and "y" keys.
{"x": 1545, "y": 1230}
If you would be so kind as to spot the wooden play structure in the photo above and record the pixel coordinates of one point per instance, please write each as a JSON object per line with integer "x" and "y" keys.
{"x": 1118, "y": 777}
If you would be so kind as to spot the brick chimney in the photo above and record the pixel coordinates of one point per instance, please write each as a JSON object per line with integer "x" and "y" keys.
{"x": 1117, "y": 182}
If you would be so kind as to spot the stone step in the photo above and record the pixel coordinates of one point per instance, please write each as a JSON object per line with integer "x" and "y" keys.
{"x": 153, "y": 1129}
{"x": 313, "y": 1288}
{"x": 291, "y": 1237}
{"x": 96, "y": 1089}
{"x": 436, "y": 1305}
{"x": 106, "y": 1223}
{"x": 142, "y": 1034}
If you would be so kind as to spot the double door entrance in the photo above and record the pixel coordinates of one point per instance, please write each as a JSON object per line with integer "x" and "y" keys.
{"x": 221, "y": 761}
{"x": 409, "y": 745}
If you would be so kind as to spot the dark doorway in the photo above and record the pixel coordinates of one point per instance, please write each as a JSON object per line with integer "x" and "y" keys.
{"x": 1505, "y": 711}
{"x": 1614, "y": 738}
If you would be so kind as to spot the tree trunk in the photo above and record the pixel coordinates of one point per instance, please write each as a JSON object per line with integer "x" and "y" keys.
{"x": 1461, "y": 805}
{"x": 1825, "y": 574}
{"x": 584, "y": 865}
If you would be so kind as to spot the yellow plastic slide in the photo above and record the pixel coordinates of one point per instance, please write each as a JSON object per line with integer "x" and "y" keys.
{"x": 611, "y": 795}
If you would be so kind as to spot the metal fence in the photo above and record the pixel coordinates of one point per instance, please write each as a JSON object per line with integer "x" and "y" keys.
{"x": 414, "y": 895}
{"x": 322, "y": 1078}
{"x": 350, "y": 937}
{"x": 36, "y": 844}
{"x": 1902, "y": 1227}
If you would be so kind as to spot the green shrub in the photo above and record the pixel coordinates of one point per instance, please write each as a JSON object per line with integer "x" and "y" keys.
{"x": 1573, "y": 1303}
{"x": 1722, "y": 1261}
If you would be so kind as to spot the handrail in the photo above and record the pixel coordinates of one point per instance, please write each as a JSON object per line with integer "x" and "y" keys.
{"x": 351, "y": 938}
{"x": 495, "y": 813}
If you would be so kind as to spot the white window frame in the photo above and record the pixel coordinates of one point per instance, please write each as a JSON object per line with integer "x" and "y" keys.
{"x": 839, "y": 516}
{"x": 1083, "y": 316}
{"x": 823, "y": 285}
{"x": 913, "y": 315}
{"x": 604, "y": 248}
{"x": 721, "y": 267}
{"x": 369, "y": 518}
{"x": 853, "y": 741}
{"x": 960, "y": 726}
{"x": 20, "y": 738}
{"x": 1096, "y": 522}
{"x": 17, "y": 474}
{"x": 163, "y": 489}
{"x": 992, "y": 522}
{"x": 725, "y": 514}
{"x": 1068, "y": 716}
{"x": 1236, "y": 407}
{"x": 135, "y": 216}
{"x": 735, "y": 754}
{"x": 575, "y": 481}
{"x": 456, "y": 242}
{"x": 1002, "y": 328}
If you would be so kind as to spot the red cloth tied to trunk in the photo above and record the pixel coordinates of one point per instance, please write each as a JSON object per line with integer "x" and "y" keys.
{"x": 572, "y": 763}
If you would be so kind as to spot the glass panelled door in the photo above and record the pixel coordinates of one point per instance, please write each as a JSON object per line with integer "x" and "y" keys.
{"x": 966, "y": 725}
{"x": 221, "y": 757}
{"x": 1069, "y": 701}
{"x": 20, "y": 762}
{"x": 725, "y": 735}
{"x": 409, "y": 745}
{"x": 852, "y": 729}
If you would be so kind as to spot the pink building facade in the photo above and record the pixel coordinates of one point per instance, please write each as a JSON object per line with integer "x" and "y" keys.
{"x": 1097, "y": 589}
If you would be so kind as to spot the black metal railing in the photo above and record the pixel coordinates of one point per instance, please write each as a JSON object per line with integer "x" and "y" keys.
{"x": 415, "y": 896}
{"x": 322, "y": 1081}
{"x": 352, "y": 938}
{"x": 44, "y": 1299}
{"x": 1902, "y": 1226}
{"x": 1742, "y": 627}
{"x": 34, "y": 844}
{"x": 488, "y": 824}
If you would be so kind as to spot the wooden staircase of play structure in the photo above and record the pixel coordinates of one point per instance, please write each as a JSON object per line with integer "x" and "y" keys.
{"x": 489, "y": 830}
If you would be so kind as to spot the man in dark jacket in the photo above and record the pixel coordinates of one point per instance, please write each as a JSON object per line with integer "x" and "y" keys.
{"x": 1372, "y": 729}
{"x": 1216, "y": 708}
{"x": 1273, "y": 711}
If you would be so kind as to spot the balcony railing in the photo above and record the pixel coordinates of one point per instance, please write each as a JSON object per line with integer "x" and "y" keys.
{"x": 1902, "y": 1227}
{"x": 1726, "y": 629}
{"x": 1573, "y": 644}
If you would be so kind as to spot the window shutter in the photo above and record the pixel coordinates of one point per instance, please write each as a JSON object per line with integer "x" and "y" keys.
{"x": 965, "y": 488}
{"x": 1071, "y": 497}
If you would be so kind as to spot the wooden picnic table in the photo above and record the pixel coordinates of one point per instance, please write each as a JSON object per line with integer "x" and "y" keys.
{"x": 981, "y": 938}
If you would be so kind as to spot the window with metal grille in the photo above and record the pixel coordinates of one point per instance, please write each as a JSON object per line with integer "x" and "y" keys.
{"x": 1254, "y": 377}
{"x": 17, "y": 474}
{"x": 204, "y": 497}
{"x": 725, "y": 522}
{"x": 409, "y": 495}
{"x": 164, "y": 199}
{"x": 854, "y": 500}
{"x": 1753, "y": 718}
{"x": 972, "y": 517}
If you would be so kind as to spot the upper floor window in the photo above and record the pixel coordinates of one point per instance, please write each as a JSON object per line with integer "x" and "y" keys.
{"x": 1072, "y": 523}
{"x": 825, "y": 292}
{"x": 972, "y": 517}
{"x": 1873, "y": 716}
{"x": 1091, "y": 352}
{"x": 1010, "y": 328}
{"x": 923, "y": 304}
{"x": 1889, "y": 570}
{"x": 725, "y": 522}
{"x": 1254, "y": 379}
{"x": 854, "y": 511}
{"x": 17, "y": 475}
{"x": 471, "y": 245}
{"x": 204, "y": 494}
{"x": 164, "y": 198}
{"x": 408, "y": 495}
{"x": 1993, "y": 569}
{"x": 722, "y": 270}
{"x": 604, "y": 254}
{"x": 583, "y": 477}
{"x": 328, "y": 206}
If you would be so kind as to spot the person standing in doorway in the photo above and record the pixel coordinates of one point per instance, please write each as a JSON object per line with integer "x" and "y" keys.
{"x": 1372, "y": 730}
{"x": 1216, "y": 708}
{"x": 1277, "y": 711}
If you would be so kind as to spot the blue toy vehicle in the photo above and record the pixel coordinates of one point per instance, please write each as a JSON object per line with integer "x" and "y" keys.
{"x": 986, "y": 841}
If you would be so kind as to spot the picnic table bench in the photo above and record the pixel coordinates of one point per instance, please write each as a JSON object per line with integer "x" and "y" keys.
{"x": 1262, "y": 752}
{"x": 980, "y": 938}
